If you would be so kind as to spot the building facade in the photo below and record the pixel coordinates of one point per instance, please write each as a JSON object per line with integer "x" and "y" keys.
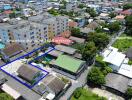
{"x": 30, "y": 35}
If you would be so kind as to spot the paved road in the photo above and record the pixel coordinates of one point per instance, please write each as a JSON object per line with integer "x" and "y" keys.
{"x": 81, "y": 81}
{"x": 114, "y": 38}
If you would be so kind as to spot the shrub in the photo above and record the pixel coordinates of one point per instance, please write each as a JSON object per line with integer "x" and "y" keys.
{"x": 77, "y": 93}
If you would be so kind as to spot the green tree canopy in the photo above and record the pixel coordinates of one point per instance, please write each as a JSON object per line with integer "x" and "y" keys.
{"x": 114, "y": 27}
{"x": 96, "y": 76}
{"x": 129, "y": 25}
{"x": 91, "y": 11}
{"x": 5, "y": 96}
{"x": 127, "y": 6}
{"x": 129, "y": 93}
{"x": 76, "y": 32}
{"x": 53, "y": 12}
{"x": 81, "y": 6}
{"x": 89, "y": 52}
{"x": 112, "y": 15}
{"x": 100, "y": 39}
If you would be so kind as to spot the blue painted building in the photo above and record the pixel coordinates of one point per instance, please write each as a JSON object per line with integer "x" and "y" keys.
{"x": 7, "y": 7}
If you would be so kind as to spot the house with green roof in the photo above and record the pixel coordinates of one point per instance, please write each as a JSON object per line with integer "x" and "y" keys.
{"x": 68, "y": 65}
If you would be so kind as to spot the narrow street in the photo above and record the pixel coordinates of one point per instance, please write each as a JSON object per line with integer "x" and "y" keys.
{"x": 114, "y": 37}
{"x": 81, "y": 81}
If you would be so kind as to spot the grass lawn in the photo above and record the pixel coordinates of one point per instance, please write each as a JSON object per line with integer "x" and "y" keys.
{"x": 123, "y": 43}
{"x": 87, "y": 95}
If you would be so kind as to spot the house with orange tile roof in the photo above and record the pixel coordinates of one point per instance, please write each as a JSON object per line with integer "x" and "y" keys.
{"x": 72, "y": 24}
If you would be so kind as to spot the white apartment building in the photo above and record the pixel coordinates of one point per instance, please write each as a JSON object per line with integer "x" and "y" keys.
{"x": 56, "y": 25}
{"x": 30, "y": 35}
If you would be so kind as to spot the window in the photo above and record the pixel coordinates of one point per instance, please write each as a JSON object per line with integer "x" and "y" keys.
{"x": 25, "y": 35}
{"x": 45, "y": 28}
{"x": 31, "y": 33}
{"x": 32, "y": 37}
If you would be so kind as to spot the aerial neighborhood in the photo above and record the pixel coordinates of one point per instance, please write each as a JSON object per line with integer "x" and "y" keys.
{"x": 65, "y": 50}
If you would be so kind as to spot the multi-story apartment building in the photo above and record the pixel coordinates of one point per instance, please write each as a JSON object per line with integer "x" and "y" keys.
{"x": 29, "y": 34}
{"x": 56, "y": 25}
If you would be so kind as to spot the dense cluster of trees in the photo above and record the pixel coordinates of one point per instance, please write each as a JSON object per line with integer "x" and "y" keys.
{"x": 76, "y": 32}
{"x": 128, "y": 30}
{"x": 127, "y": 6}
{"x": 98, "y": 72}
{"x": 92, "y": 12}
{"x": 89, "y": 52}
{"x": 112, "y": 15}
{"x": 53, "y": 12}
{"x": 81, "y": 6}
{"x": 101, "y": 40}
{"x": 114, "y": 26}
{"x": 96, "y": 76}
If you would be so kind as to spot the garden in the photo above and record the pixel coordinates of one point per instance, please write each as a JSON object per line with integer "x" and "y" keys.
{"x": 123, "y": 43}
{"x": 85, "y": 94}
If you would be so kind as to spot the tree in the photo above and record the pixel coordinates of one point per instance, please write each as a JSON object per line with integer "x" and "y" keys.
{"x": 129, "y": 93}
{"x": 77, "y": 93}
{"x": 100, "y": 39}
{"x": 112, "y": 15}
{"x": 76, "y": 32}
{"x": 89, "y": 52}
{"x": 127, "y": 6}
{"x": 12, "y": 15}
{"x": 128, "y": 30}
{"x": 91, "y": 11}
{"x": 81, "y": 6}
{"x": 95, "y": 76}
{"x": 53, "y": 12}
{"x": 4, "y": 96}
{"x": 114, "y": 27}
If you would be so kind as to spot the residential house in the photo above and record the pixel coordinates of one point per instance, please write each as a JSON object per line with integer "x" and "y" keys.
{"x": 126, "y": 12}
{"x": 77, "y": 40}
{"x": 129, "y": 53}
{"x": 65, "y": 49}
{"x": 51, "y": 84}
{"x": 85, "y": 31}
{"x": 61, "y": 40}
{"x": 12, "y": 51}
{"x": 117, "y": 61}
{"x": 69, "y": 66}
{"x": 93, "y": 25}
{"x": 117, "y": 83}
{"x": 72, "y": 24}
{"x": 81, "y": 21}
{"x": 114, "y": 58}
{"x": 28, "y": 73}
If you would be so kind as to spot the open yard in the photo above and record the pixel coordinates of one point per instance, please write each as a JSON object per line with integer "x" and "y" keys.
{"x": 84, "y": 94}
{"x": 123, "y": 43}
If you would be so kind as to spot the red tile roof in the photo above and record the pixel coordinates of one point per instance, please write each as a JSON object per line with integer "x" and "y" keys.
{"x": 126, "y": 12}
{"x": 61, "y": 40}
{"x": 7, "y": 12}
{"x": 73, "y": 24}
